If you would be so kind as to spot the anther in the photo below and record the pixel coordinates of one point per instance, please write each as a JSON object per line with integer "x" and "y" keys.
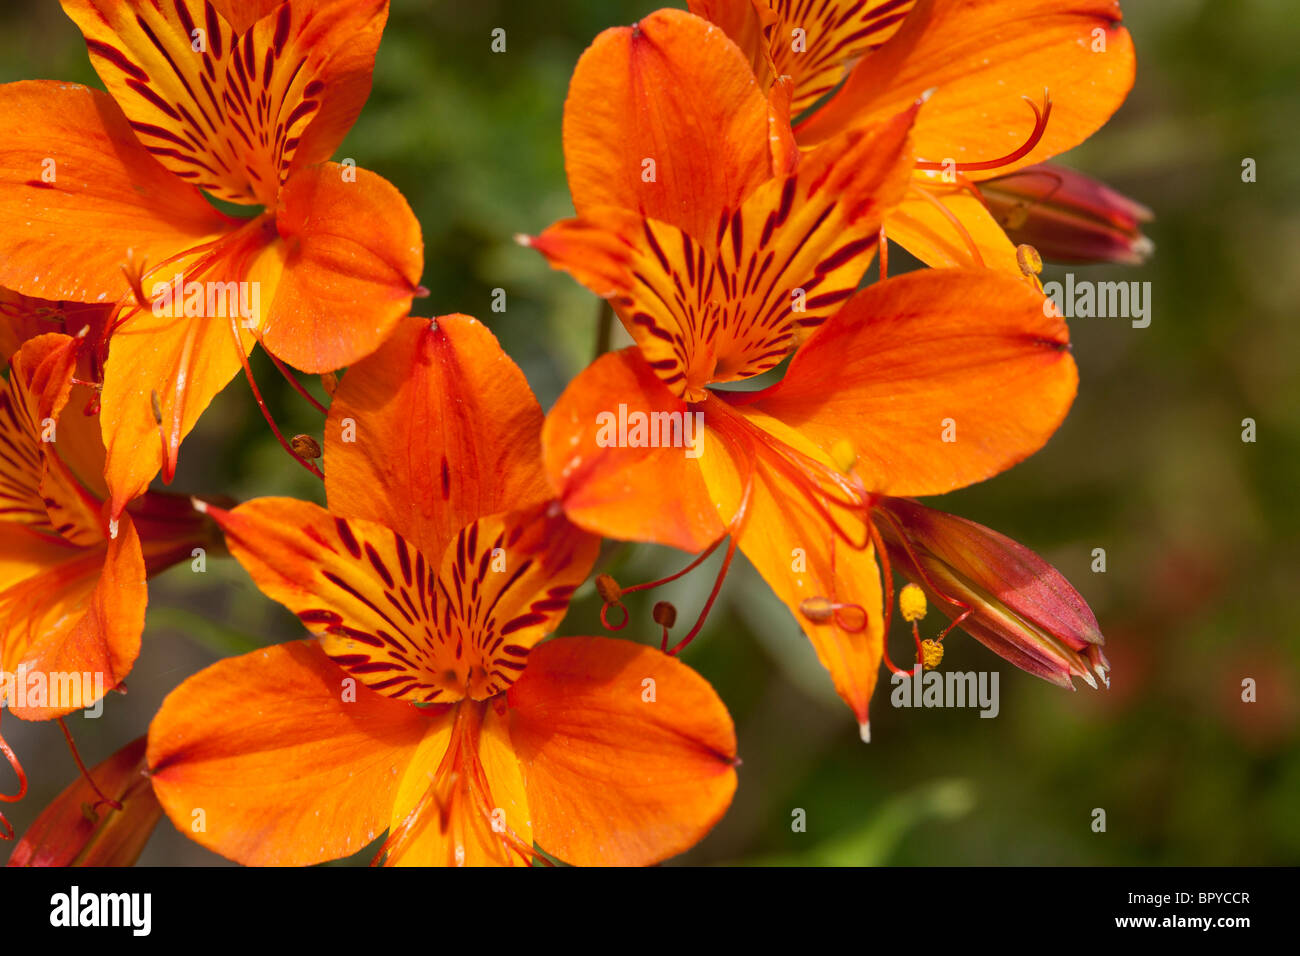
{"x": 306, "y": 446}
{"x": 817, "y": 609}
{"x": 1030, "y": 262}
{"x": 608, "y": 589}
{"x": 155, "y": 406}
{"x": 664, "y": 613}
{"x": 911, "y": 601}
{"x": 931, "y": 654}
{"x": 611, "y": 595}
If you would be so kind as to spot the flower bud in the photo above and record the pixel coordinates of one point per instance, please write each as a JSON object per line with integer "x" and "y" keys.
{"x": 1021, "y": 607}
{"x": 1067, "y": 216}
{"x": 74, "y": 831}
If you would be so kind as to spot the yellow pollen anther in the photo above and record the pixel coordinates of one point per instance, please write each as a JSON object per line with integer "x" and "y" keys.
{"x": 1030, "y": 262}
{"x": 931, "y": 654}
{"x": 911, "y": 601}
{"x": 817, "y": 609}
{"x": 844, "y": 456}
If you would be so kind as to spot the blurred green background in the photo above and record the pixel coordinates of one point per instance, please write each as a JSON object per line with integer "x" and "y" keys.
{"x": 1200, "y": 529}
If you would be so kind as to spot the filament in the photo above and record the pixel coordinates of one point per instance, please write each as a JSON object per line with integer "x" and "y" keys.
{"x": 1040, "y": 127}
{"x": 67, "y": 734}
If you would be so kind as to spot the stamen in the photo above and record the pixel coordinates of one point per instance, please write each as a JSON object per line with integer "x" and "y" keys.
{"x": 306, "y": 446}
{"x": 481, "y": 791}
{"x": 971, "y": 245}
{"x": 808, "y": 475}
{"x": 266, "y": 412}
{"x": 459, "y": 774}
{"x": 733, "y": 532}
{"x": 134, "y": 273}
{"x": 851, "y": 617}
{"x": 911, "y": 601}
{"x": 611, "y": 595}
{"x": 1040, "y": 127}
{"x": 887, "y": 577}
{"x": 298, "y": 386}
{"x": 608, "y": 589}
{"x": 931, "y": 654}
{"x": 604, "y": 620}
{"x": 819, "y": 610}
{"x": 966, "y": 609}
{"x": 6, "y": 828}
{"x": 665, "y": 615}
{"x": 1028, "y": 259}
{"x": 67, "y": 734}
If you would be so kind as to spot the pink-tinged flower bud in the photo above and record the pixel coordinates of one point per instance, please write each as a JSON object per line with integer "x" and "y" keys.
{"x": 79, "y": 829}
{"x": 1067, "y": 216}
{"x": 1020, "y": 607}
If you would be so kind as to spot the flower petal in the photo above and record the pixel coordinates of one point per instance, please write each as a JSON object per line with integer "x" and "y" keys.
{"x": 36, "y": 431}
{"x": 351, "y": 254}
{"x": 675, "y": 92}
{"x": 628, "y": 754}
{"x": 940, "y": 378}
{"x": 185, "y": 362}
{"x": 981, "y": 57}
{"x": 435, "y": 430}
{"x": 286, "y": 769}
{"x": 234, "y": 112}
{"x": 79, "y": 615}
{"x": 630, "y": 492}
{"x": 78, "y": 192}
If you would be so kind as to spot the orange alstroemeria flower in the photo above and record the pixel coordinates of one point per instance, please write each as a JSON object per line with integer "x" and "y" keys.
{"x": 837, "y": 64}
{"x": 72, "y": 577}
{"x": 102, "y": 197}
{"x": 424, "y": 706}
{"x": 915, "y": 386}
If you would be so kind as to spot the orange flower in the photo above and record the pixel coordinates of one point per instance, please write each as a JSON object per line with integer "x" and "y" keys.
{"x": 101, "y": 199}
{"x": 917, "y": 385}
{"x": 72, "y": 578}
{"x": 977, "y": 59}
{"x": 424, "y": 706}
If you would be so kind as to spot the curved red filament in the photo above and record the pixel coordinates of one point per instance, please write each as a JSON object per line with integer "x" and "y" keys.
{"x": 1040, "y": 127}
